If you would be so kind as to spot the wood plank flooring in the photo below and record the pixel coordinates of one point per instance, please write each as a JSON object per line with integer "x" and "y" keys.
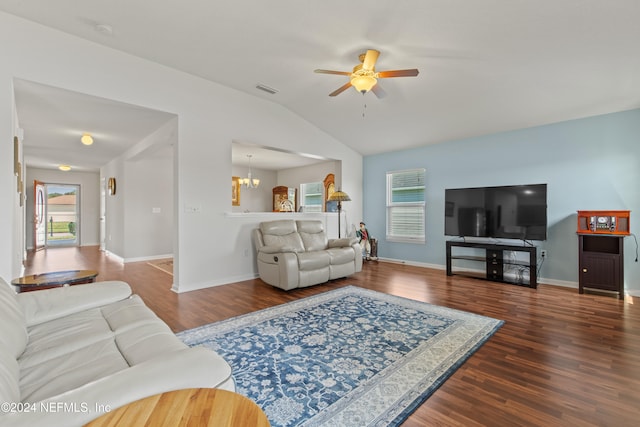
{"x": 561, "y": 359}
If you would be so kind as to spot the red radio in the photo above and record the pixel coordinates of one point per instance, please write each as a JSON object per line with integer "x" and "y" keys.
{"x": 604, "y": 222}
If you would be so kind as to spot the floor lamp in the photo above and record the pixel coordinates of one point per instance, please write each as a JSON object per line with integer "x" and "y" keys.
{"x": 339, "y": 196}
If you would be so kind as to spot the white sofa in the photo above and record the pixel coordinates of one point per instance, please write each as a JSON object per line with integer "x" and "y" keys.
{"x": 69, "y": 354}
{"x": 294, "y": 254}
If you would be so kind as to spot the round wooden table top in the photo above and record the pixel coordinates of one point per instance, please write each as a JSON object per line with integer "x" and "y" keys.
{"x": 188, "y": 407}
{"x": 55, "y": 278}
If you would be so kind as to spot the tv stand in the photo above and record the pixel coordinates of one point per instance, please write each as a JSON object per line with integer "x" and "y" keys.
{"x": 495, "y": 261}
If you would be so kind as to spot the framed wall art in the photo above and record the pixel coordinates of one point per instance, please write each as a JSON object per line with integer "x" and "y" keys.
{"x": 111, "y": 186}
{"x": 235, "y": 191}
{"x": 16, "y": 155}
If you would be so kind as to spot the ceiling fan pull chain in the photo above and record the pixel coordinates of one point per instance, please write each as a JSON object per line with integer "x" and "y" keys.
{"x": 364, "y": 109}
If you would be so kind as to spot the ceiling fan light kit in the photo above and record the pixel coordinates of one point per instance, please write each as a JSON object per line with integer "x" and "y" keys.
{"x": 364, "y": 83}
{"x": 364, "y": 76}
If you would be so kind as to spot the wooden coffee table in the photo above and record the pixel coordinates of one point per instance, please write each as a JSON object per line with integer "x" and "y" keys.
{"x": 54, "y": 279}
{"x": 188, "y": 407}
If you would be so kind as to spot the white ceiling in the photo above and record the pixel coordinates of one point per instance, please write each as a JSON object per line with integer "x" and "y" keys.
{"x": 54, "y": 119}
{"x": 485, "y": 66}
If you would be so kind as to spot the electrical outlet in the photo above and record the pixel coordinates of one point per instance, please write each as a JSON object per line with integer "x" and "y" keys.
{"x": 543, "y": 253}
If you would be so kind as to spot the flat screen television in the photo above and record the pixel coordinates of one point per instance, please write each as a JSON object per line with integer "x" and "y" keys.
{"x": 508, "y": 212}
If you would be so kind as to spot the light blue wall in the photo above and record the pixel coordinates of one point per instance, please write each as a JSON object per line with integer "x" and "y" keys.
{"x": 587, "y": 164}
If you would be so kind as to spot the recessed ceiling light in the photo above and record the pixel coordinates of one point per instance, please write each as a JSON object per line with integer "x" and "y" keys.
{"x": 65, "y": 168}
{"x": 86, "y": 139}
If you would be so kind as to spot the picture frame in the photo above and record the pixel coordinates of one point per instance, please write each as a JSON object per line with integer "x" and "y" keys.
{"x": 16, "y": 155}
{"x": 111, "y": 186}
{"x": 235, "y": 191}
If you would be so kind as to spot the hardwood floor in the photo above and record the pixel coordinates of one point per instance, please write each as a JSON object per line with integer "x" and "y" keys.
{"x": 561, "y": 359}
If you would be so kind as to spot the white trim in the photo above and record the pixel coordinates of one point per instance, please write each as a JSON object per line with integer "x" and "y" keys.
{"x": 202, "y": 285}
{"x": 114, "y": 256}
{"x": 541, "y": 280}
{"x": 554, "y": 282}
{"x": 413, "y": 263}
{"x": 147, "y": 258}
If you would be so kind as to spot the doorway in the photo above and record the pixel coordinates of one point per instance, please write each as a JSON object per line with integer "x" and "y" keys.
{"x": 56, "y": 215}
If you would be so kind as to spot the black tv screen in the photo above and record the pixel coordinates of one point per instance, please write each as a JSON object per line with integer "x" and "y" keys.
{"x": 509, "y": 212}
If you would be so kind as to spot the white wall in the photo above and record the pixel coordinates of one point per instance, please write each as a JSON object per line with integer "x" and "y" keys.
{"x": 148, "y": 209}
{"x": 255, "y": 199}
{"x": 210, "y": 117}
{"x": 140, "y": 215}
{"x": 114, "y": 209}
{"x": 11, "y": 214}
{"x": 89, "y": 183}
{"x": 261, "y": 199}
{"x": 317, "y": 172}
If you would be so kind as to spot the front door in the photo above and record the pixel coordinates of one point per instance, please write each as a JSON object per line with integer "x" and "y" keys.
{"x": 39, "y": 215}
{"x": 62, "y": 214}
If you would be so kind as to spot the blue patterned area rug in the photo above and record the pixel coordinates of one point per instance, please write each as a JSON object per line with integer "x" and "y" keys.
{"x": 348, "y": 357}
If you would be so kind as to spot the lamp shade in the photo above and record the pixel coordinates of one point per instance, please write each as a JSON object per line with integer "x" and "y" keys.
{"x": 364, "y": 83}
{"x": 339, "y": 196}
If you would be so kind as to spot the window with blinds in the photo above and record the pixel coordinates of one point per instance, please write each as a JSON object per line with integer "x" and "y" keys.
{"x": 405, "y": 206}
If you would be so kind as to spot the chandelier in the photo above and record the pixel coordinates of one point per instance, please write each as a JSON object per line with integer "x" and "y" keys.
{"x": 249, "y": 181}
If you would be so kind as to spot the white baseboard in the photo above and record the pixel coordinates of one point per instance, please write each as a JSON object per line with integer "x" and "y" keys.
{"x": 413, "y": 263}
{"x": 114, "y": 256}
{"x": 541, "y": 280}
{"x": 147, "y": 258}
{"x": 554, "y": 282}
{"x": 211, "y": 284}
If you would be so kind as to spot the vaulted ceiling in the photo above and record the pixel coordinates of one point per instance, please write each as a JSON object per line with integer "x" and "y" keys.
{"x": 485, "y": 66}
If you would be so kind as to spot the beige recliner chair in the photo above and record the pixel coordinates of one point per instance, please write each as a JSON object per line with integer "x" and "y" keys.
{"x": 294, "y": 254}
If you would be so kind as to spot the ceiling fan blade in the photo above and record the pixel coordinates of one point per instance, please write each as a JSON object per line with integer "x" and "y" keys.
{"x": 342, "y": 73}
{"x": 341, "y": 89}
{"x": 397, "y": 73}
{"x": 378, "y": 91}
{"x": 370, "y": 59}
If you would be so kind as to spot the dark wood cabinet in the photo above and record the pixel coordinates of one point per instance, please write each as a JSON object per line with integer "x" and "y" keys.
{"x": 601, "y": 259}
{"x": 285, "y": 199}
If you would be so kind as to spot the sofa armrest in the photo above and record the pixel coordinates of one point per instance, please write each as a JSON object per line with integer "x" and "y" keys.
{"x": 342, "y": 243}
{"x": 48, "y": 304}
{"x": 277, "y": 249}
{"x": 195, "y": 367}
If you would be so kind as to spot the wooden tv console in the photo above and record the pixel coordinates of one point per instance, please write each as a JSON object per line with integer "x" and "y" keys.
{"x": 495, "y": 261}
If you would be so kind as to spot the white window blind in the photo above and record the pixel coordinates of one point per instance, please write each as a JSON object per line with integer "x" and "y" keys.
{"x": 405, "y": 206}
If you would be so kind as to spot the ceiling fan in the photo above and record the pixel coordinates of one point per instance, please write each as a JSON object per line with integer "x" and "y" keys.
{"x": 364, "y": 77}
